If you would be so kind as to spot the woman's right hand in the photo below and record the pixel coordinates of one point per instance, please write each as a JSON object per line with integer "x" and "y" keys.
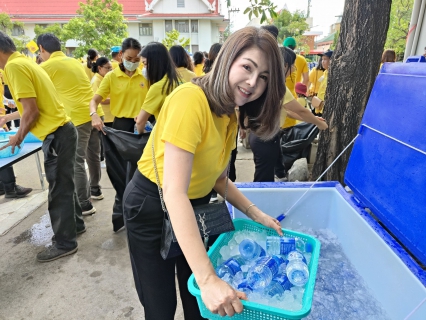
{"x": 98, "y": 123}
{"x": 220, "y": 298}
{"x": 322, "y": 125}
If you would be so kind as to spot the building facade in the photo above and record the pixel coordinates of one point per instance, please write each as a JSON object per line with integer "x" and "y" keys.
{"x": 148, "y": 20}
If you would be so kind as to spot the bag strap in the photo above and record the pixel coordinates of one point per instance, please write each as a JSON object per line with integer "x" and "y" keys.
{"x": 160, "y": 192}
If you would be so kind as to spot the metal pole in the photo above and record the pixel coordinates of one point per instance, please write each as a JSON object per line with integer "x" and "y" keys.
{"x": 413, "y": 27}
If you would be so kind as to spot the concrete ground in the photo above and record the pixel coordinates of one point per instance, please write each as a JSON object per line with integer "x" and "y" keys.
{"x": 95, "y": 283}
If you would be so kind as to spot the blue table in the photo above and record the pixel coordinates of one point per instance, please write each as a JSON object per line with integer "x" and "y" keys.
{"x": 27, "y": 150}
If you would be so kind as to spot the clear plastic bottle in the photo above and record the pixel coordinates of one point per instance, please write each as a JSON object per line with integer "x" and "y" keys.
{"x": 231, "y": 266}
{"x": 294, "y": 255}
{"x": 297, "y": 272}
{"x": 274, "y": 289}
{"x": 283, "y": 280}
{"x": 148, "y": 126}
{"x": 303, "y": 246}
{"x": 245, "y": 287}
{"x": 280, "y": 245}
{"x": 251, "y": 250}
{"x": 261, "y": 274}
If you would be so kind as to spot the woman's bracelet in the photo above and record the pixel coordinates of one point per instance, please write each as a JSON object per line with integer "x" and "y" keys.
{"x": 248, "y": 208}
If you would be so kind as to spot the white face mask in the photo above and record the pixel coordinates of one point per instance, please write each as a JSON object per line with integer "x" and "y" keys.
{"x": 145, "y": 73}
{"x": 130, "y": 66}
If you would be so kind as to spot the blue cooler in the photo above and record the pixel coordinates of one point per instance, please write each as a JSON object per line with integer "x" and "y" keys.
{"x": 387, "y": 174}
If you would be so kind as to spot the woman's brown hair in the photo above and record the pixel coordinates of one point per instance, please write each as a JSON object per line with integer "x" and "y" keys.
{"x": 389, "y": 56}
{"x": 262, "y": 114}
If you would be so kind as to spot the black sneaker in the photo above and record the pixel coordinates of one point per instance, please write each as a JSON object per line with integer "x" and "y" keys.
{"x": 18, "y": 192}
{"x": 81, "y": 231}
{"x": 52, "y": 253}
{"x": 96, "y": 195}
{"x": 88, "y": 210}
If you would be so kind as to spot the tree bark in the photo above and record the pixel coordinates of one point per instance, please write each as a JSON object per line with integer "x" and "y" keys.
{"x": 354, "y": 67}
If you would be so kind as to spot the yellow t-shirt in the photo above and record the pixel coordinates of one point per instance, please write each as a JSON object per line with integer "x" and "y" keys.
{"x": 155, "y": 97}
{"x": 103, "y": 108}
{"x": 185, "y": 75}
{"x": 287, "y": 98}
{"x": 127, "y": 94}
{"x": 296, "y": 76}
{"x": 187, "y": 122}
{"x": 314, "y": 76}
{"x": 322, "y": 88}
{"x": 114, "y": 64}
{"x": 27, "y": 79}
{"x": 88, "y": 71}
{"x": 198, "y": 69}
{"x": 72, "y": 86}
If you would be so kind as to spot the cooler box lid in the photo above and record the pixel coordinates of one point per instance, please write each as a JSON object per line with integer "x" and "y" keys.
{"x": 387, "y": 166}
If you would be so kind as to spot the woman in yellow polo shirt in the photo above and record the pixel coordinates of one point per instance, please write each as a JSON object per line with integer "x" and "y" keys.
{"x": 198, "y": 63}
{"x": 192, "y": 140}
{"x": 126, "y": 87}
{"x": 92, "y": 56}
{"x": 100, "y": 68}
{"x": 162, "y": 77}
{"x": 314, "y": 76}
{"x": 183, "y": 63}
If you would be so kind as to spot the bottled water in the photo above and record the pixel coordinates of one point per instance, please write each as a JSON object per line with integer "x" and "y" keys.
{"x": 296, "y": 255}
{"x": 261, "y": 274}
{"x": 231, "y": 266}
{"x": 297, "y": 272}
{"x": 148, "y": 126}
{"x": 280, "y": 246}
{"x": 245, "y": 287}
{"x": 251, "y": 250}
{"x": 274, "y": 289}
{"x": 303, "y": 246}
{"x": 283, "y": 280}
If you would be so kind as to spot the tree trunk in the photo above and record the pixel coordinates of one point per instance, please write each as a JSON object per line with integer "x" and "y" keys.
{"x": 354, "y": 67}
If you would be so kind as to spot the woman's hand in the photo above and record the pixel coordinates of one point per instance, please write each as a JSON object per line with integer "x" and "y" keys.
{"x": 267, "y": 221}
{"x": 322, "y": 125}
{"x": 221, "y": 298}
{"x": 98, "y": 123}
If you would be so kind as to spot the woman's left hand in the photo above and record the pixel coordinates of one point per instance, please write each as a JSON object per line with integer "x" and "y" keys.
{"x": 269, "y": 222}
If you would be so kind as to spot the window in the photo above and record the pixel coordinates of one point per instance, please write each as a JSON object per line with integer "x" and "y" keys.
{"x": 195, "y": 48}
{"x": 181, "y": 3}
{"x": 169, "y": 25}
{"x": 145, "y": 29}
{"x": 194, "y": 26}
{"x": 182, "y": 26}
{"x": 17, "y": 31}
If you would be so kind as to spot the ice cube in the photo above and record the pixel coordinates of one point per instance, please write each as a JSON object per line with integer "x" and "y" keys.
{"x": 225, "y": 251}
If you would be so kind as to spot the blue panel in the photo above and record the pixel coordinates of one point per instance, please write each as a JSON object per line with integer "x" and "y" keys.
{"x": 386, "y": 175}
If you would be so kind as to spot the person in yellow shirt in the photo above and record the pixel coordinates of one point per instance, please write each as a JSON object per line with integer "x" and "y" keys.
{"x": 92, "y": 56}
{"x": 183, "y": 63}
{"x": 162, "y": 80}
{"x": 115, "y": 55}
{"x": 213, "y": 52}
{"x": 300, "y": 74}
{"x": 75, "y": 92}
{"x": 100, "y": 68}
{"x": 193, "y": 138}
{"x": 43, "y": 114}
{"x": 314, "y": 76}
{"x": 319, "y": 101}
{"x": 198, "y": 63}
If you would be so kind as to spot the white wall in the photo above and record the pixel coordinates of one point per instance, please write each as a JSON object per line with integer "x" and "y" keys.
{"x": 170, "y": 6}
{"x": 159, "y": 31}
{"x": 214, "y": 32}
{"x": 205, "y": 30}
{"x": 29, "y": 30}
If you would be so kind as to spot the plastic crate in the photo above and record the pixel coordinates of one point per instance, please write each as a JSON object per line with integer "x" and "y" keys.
{"x": 256, "y": 311}
{"x": 29, "y": 138}
{"x": 6, "y": 153}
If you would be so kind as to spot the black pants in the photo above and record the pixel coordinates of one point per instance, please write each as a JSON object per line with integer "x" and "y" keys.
{"x": 59, "y": 150}
{"x": 155, "y": 277}
{"x": 7, "y": 179}
{"x": 17, "y": 122}
{"x": 267, "y": 158}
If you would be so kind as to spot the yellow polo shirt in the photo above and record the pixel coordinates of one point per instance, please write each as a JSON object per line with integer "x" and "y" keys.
{"x": 314, "y": 77}
{"x": 72, "y": 85}
{"x": 296, "y": 76}
{"x": 285, "y": 121}
{"x": 88, "y": 71}
{"x": 127, "y": 94}
{"x": 155, "y": 97}
{"x": 114, "y": 63}
{"x": 198, "y": 69}
{"x": 322, "y": 88}
{"x": 185, "y": 75}
{"x": 187, "y": 122}
{"x": 103, "y": 109}
{"x": 28, "y": 80}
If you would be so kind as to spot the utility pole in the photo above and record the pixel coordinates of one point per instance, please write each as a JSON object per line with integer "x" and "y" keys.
{"x": 309, "y": 8}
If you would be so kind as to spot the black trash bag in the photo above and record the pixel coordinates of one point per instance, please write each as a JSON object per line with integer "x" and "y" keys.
{"x": 122, "y": 152}
{"x": 296, "y": 142}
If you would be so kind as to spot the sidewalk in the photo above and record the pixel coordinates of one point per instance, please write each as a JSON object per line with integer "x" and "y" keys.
{"x": 95, "y": 283}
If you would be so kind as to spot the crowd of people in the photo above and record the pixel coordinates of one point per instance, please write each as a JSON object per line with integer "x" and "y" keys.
{"x": 197, "y": 106}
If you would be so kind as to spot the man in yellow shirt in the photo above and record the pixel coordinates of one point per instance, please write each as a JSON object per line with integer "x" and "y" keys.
{"x": 75, "y": 92}
{"x": 44, "y": 115}
{"x": 301, "y": 74}
{"x": 115, "y": 55}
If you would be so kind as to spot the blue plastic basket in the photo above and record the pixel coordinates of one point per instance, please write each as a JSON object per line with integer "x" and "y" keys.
{"x": 6, "y": 153}
{"x": 29, "y": 138}
{"x": 256, "y": 311}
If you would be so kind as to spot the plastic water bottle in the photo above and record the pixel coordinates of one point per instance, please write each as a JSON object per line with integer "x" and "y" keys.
{"x": 251, "y": 250}
{"x": 296, "y": 255}
{"x": 280, "y": 246}
{"x": 274, "y": 289}
{"x": 261, "y": 274}
{"x": 303, "y": 246}
{"x": 231, "y": 266}
{"x": 148, "y": 126}
{"x": 283, "y": 280}
{"x": 297, "y": 272}
{"x": 245, "y": 287}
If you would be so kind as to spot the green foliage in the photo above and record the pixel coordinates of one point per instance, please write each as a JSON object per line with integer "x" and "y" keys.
{"x": 7, "y": 25}
{"x": 291, "y": 25}
{"x": 172, "y": 38}
{"x": 336, "y": 38}
{"x": 55, "y": 29}
{"x": 399, "y": 26}
{"x": 100, "y": 24}
{"x": 261, "y": 8}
